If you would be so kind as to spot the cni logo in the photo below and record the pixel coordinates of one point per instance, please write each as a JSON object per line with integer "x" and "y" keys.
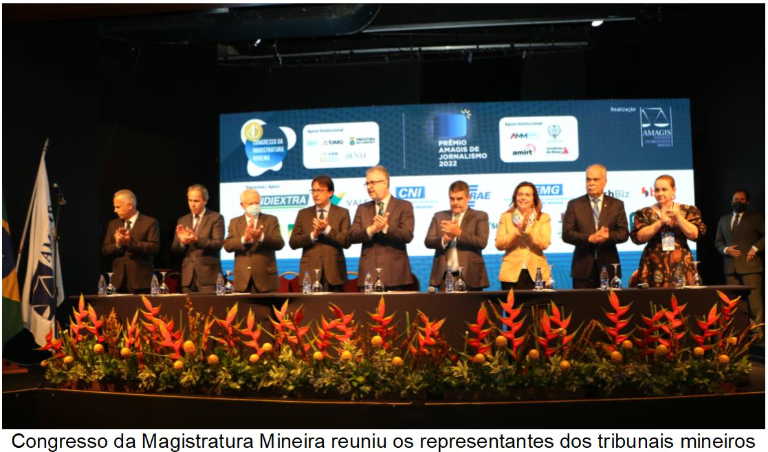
{"x": 411, "y": 192}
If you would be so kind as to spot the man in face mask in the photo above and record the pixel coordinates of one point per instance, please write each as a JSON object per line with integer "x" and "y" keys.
{"x": 254, "y": 237}
{"x": 740, "y": 237}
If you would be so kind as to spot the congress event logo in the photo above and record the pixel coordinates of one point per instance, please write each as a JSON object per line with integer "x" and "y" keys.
{"x": 265, "y": 146}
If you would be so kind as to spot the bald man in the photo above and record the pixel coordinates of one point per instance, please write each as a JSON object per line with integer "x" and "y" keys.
{"x": 132, "y": 240}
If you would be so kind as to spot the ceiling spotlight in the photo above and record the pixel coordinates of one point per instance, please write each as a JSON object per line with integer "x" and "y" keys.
{"x": 597, "y": 23}
{"x": 257, "y": 42}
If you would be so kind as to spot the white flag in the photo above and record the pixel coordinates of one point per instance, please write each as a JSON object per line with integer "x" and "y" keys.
{"x": 38, "y": 306}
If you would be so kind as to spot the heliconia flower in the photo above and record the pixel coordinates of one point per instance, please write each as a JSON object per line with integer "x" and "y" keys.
{"x": 51, "y": 342}
{"x": 151, "y": 311}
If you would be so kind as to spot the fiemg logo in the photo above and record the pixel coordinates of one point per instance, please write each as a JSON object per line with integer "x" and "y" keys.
{"x": 411, "y": 192}
{"x": 550, "y": 189}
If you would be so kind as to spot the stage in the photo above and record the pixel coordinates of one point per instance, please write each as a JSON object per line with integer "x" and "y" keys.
{"x": 52, "y": 408}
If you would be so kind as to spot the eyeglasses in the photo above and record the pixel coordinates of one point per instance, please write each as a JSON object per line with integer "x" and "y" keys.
{"x": 371, "y": 183}
{"x": 318, "y": 190}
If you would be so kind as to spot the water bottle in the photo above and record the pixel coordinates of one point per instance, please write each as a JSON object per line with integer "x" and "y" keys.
{"x": 228, "y": 287}
{"x": 154, "y": 286}
{"x": 679, "y": 281}
{"x": 368, "y": 283}
{"x": 102, "y": 286}
{"x": 449, "y": 282}
{"x": 220, "y": 284}
{"x": 604, "y": 278}
{"x": 539, "y": 282}
{"x": 306, "y": 284}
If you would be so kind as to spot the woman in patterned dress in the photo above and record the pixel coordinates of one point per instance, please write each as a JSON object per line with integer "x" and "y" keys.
{"x": 680, "y": 223}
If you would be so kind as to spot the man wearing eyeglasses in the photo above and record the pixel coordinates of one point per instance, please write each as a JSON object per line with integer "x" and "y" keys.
{"x": 384, "y": 226}
{"x": 322, "y": 231}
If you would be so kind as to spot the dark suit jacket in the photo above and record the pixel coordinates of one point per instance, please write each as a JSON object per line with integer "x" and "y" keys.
{"x": 255, "y": 259}
{"x": 579, "y": 224}
{"x": 133, "y": 261}
{"x": 328, "y": 251}
{"x": 386, "y": 251}
{"x": 469, "y": 247}
{"x": 749, "y": 233}
{"x": 201, "y": 259}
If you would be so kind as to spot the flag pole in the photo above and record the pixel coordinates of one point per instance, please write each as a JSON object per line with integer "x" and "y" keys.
{"x": 29, "y": 213}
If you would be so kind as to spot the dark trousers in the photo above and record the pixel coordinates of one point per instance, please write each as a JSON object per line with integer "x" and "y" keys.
{"x": 441, "y": 287}
{"x": 253, "y": 289}
{"x": 524, "y": 282}
{"x": 593, "y": 281}
{"x": 194, "y": 287}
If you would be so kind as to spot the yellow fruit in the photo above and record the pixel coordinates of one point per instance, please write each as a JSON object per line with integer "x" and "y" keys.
{"x": 627, "y": 345}
{"x": 213, "y": 359}
{"x": 68, "y": 359}
{"x": 698, "y": 351}
{"x": 189, "y": 348}
{"x": 723, "y": 359}
{"x": 318, "y": 356}
{"x": 533, "y": 354}
{"x": 479, "y": 358}
{"x": 397, "y": 361}
{"x": 267, "y": 347}
{"x": 125, "y": 352}
{"x": 98, "y": 349}
{"x": 501, "y": 341}
{"x": 253, "y": 358}
{"x": 662, "y": 349}
{"x": 565, "y": 366}
{"x": 616, "y": 356}
{"x": 733, "y": 340}
{"x": 178, "y": 364}
{"x": 346, "y": 355}
{"x": 376, "y": 341}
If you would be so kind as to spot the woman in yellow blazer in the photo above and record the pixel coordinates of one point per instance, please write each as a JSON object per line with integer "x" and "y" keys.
{"x": 524, "y": 233}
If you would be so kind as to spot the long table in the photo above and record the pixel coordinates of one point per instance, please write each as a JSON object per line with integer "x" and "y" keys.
{"x": 457, "y": 308}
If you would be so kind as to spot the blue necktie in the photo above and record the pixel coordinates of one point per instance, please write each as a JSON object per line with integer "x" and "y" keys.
{"x": 596, "y": 211}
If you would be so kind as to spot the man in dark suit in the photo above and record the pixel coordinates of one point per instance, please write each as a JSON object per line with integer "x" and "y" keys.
{"x": 322, "y": 231}
{"x": 132, "y": 240}
{"x": 594, "y": 223}
{"x": 254, "y": 237}
{"x": 740, "y": 237}
{"x": 199, "y": 236}
{"x": 384, "y": 226}
{"x": 458, "y": 237}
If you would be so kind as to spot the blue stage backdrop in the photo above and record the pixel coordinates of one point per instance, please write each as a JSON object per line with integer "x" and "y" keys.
{"x": 492, "y": 146}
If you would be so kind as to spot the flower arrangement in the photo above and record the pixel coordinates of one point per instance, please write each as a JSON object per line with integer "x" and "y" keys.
{"x": 507, "y": 354}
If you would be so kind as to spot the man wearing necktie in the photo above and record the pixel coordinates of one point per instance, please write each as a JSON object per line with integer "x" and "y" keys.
{"x": 741, "y": 240}
{"x": 384, "y": 226}
{"x": 132, "y": 240}
{"x": 254, "y": 237}
{"x": 458, "y": 237}
{"x": 322, "y": 232}
{"x": 594, "y": 223}
{"x": 199, "y": 238}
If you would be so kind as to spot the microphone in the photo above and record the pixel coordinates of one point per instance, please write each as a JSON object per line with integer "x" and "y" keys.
{"x": 60, "y": 195}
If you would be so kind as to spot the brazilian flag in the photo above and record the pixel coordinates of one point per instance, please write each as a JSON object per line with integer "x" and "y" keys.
{"x": 12, "y": 322}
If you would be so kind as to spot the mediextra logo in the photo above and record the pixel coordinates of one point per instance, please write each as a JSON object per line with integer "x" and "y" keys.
{"x": 410, "y": 192}
{"x": 550, "y": 189}
{"x": 284, "y": 201}
{"x": 656, "y": 127}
